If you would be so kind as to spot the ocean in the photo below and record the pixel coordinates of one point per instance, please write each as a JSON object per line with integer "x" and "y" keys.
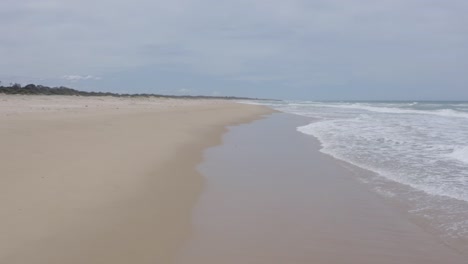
{"x": 417, "y": 152}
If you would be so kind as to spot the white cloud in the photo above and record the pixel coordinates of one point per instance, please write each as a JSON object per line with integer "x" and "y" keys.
{"x": 184, "y": 91}
{"x": 75, "y": 78}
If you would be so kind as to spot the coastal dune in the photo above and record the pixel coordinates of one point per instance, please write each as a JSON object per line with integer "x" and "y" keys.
{"x": 103, "y": 180}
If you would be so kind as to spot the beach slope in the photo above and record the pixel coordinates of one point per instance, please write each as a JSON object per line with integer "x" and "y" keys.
{"x": 103, "y": 180}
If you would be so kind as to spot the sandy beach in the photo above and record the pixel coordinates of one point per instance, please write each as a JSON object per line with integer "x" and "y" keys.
{"x": 233, "y": 132}
{"x": 103, "y": 180}
{"x": 145, "y": 180}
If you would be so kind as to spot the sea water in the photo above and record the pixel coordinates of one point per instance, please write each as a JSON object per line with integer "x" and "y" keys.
{"x": 417, "y": 150}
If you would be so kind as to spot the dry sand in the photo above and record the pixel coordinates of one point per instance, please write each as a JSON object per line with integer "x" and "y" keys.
{"x": 103, "y": 180}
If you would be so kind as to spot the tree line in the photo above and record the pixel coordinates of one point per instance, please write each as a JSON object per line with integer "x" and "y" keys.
{"x": 32, "y": 89}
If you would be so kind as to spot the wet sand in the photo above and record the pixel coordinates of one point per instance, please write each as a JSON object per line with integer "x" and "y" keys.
{"x": 103, "y": 180}
{"x": 271, "y": 197}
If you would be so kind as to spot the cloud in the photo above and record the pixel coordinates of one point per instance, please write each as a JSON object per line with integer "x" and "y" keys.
{"x": 75, "y": 78}
{"x": 302, "y": 47}
{"x": 183, "y": 91}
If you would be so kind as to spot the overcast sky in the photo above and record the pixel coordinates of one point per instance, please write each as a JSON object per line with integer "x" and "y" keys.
{"x": 304, "y": 49}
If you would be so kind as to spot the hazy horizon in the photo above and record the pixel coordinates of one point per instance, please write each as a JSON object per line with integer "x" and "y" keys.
{"x": 303, "y": 50}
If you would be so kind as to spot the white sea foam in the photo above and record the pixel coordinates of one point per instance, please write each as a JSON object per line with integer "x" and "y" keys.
{"x": 424, "y": 149}
{"x": 395, "y": 152}
{"x": 420, "y": 147}
{"x": 460, "y": 154}
{"x": 397, "y": 110}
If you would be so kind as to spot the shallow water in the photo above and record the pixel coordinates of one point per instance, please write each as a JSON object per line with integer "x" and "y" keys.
{"x": 421, "y": 145}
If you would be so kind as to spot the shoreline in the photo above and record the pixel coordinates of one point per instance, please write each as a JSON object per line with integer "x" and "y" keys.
{"x": 104, "y": 181}
{"x": 286, "y": 202}
{"x": 440, "y": 209}
{"x": 438, "y": 215}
